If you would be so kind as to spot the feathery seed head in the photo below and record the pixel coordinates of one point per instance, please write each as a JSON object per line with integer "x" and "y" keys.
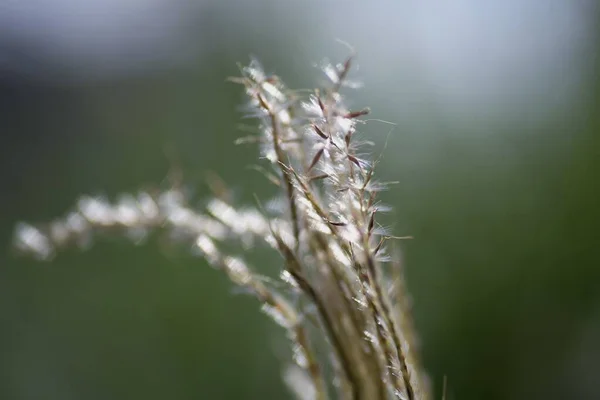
{"x": 324, "y": 225}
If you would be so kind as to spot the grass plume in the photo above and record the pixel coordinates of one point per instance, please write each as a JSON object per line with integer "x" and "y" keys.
{"x": 333, "y": 252}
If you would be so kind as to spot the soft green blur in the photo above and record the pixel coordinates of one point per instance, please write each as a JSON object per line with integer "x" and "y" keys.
{"x": 503, "y": 269}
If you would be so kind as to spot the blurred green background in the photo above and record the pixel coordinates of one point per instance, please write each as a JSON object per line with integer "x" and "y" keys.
{"x": 496, "y": 149}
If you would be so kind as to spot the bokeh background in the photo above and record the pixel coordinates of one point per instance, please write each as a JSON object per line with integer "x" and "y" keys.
{"x": 496, "y": 148}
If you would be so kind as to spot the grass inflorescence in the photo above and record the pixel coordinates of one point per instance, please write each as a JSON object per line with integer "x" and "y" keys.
{"x": 341, "y": 289}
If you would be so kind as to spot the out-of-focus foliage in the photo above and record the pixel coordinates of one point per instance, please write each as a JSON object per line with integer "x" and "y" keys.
{"x": 503, "y": 206}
